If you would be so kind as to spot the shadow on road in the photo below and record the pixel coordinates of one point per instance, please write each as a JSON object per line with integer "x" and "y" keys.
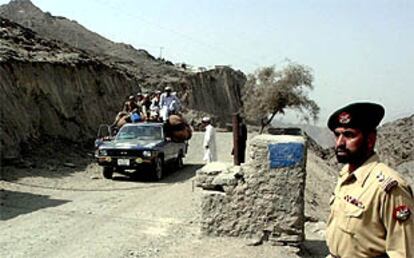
{"x": 54, "y": 159}
{"x": 13, "y": 204}
{"x": 185, "y": 173}
{"x": 172, "y": 175}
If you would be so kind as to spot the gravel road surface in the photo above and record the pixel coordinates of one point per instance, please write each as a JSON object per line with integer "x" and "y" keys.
{"x": 64, "y": 211}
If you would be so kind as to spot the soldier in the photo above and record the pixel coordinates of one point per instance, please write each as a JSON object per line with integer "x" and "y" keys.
{"x": 371, "y": 206}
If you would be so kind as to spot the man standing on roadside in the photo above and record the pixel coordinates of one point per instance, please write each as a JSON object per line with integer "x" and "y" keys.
{"x": 372, "y": 205}
{"x": 209, "y": 143}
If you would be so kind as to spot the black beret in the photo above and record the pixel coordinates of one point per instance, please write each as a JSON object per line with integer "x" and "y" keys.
{"x": 362, "y": 115}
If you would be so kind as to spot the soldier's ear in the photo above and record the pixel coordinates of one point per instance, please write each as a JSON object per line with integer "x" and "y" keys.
{"x": 372, "y": 138}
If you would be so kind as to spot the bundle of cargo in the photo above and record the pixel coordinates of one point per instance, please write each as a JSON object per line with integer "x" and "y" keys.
{"x": 178, "y": 129}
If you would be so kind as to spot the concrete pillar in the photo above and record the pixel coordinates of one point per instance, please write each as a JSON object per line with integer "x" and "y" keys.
{"x": 264, "y": 197}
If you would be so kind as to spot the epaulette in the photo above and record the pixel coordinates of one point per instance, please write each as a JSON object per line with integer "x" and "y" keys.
{"x": 387, "y": 183}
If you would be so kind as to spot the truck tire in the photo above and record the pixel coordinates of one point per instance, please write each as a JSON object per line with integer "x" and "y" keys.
{"x": 107, "y": 172}
{"x": 158, "y": 170}
{"x": 179, "y": 164}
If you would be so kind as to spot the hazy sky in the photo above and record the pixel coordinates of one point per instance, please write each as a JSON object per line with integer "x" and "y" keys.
{"x": 358, "y": 50}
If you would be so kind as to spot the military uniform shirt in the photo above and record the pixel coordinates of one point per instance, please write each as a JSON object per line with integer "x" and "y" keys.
{"x": 370, "y": 213}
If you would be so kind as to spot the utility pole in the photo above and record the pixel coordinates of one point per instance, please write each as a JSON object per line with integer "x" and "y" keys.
{"x": 161, "y": 48}
{"x": 235, "y": 123}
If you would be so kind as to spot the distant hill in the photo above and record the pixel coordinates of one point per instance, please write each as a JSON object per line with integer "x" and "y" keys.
{"x": 149, "y": 70}
{"x": 69, "y": 31}
{"x": 322, "y": 135}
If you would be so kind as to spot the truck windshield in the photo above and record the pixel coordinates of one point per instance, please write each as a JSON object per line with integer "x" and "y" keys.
{"x": 140, "y": 132}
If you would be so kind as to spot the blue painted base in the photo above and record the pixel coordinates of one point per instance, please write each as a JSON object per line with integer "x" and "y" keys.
{"x": 285, "y": 154}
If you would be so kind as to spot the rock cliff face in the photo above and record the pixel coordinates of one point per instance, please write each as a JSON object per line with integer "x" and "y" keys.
{"x": 50, "y": 90}
{"x": 217, "y": 92}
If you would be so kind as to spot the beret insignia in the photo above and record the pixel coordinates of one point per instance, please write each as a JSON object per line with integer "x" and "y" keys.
{"x": 380, "y": 177}
{"x": 344, "y": 118}
{"x": 401, "y": 213}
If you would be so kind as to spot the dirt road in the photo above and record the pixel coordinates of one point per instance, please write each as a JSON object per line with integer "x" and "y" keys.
{"x": 58, "y": 211}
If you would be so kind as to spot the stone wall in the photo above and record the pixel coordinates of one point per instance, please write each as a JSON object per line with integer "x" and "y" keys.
{"x": 263, "y": 197}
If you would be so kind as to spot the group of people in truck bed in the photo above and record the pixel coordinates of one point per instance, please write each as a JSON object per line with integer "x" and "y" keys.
{"x": 155, "y": 107}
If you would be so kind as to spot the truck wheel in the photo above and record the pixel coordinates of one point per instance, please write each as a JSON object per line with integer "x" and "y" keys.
{"x": 179, "y": 164}
{"x": 108, "y": 172}
{"x": 158, "y": 171}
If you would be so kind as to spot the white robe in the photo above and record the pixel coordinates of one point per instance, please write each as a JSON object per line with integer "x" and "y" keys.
{"x": 168, "y": 104}
{"x": 210, "y": 153}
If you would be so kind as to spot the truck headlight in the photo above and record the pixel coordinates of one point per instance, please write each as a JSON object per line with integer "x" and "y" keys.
{"x": 147, "y": 154}
{"x": 103, "y": 152}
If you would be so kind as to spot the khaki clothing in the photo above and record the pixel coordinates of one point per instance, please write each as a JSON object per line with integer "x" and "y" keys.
{"x": 369, "y": 213}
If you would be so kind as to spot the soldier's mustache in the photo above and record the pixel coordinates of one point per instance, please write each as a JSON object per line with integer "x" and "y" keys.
{"x": 341, "y": 149}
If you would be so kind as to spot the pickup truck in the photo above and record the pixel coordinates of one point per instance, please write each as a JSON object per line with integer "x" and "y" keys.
{"x": 140, "y": 147}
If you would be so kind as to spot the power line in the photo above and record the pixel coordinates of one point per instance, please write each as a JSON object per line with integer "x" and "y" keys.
{"x": 192, "y": 39}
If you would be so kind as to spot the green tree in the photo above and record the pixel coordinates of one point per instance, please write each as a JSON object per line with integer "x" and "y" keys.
{"x": 268, "y": 92}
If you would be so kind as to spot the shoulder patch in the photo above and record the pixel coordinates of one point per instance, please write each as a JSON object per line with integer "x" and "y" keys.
{"x": 388, "y": 183}
{"x": 401, "y": 213}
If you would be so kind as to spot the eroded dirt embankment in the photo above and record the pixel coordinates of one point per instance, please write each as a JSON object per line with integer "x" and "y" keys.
{"x": 63, "y": 100}
{"x": 51, "y": 90}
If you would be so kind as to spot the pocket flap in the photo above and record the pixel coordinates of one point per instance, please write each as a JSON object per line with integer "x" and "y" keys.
{"x": 353, "y": 211}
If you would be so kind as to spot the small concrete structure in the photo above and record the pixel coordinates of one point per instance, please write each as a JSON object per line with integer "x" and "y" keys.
{"x": 262, "y": 198}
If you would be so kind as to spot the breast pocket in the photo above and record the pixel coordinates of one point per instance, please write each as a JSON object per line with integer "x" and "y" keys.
{"x": 352, "y": 219}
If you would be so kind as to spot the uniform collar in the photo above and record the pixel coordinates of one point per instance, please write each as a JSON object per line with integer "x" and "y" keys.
{"x": 361, "y": 174}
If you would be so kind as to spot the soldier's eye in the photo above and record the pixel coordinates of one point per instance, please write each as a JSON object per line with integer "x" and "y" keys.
{"x": 349, "y": 134}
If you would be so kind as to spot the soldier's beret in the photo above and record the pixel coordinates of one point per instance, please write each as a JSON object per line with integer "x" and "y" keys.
{"x": 361, "y": 115}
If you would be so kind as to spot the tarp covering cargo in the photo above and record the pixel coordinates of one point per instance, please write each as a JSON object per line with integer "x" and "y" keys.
{"x": 178, "y": 129}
